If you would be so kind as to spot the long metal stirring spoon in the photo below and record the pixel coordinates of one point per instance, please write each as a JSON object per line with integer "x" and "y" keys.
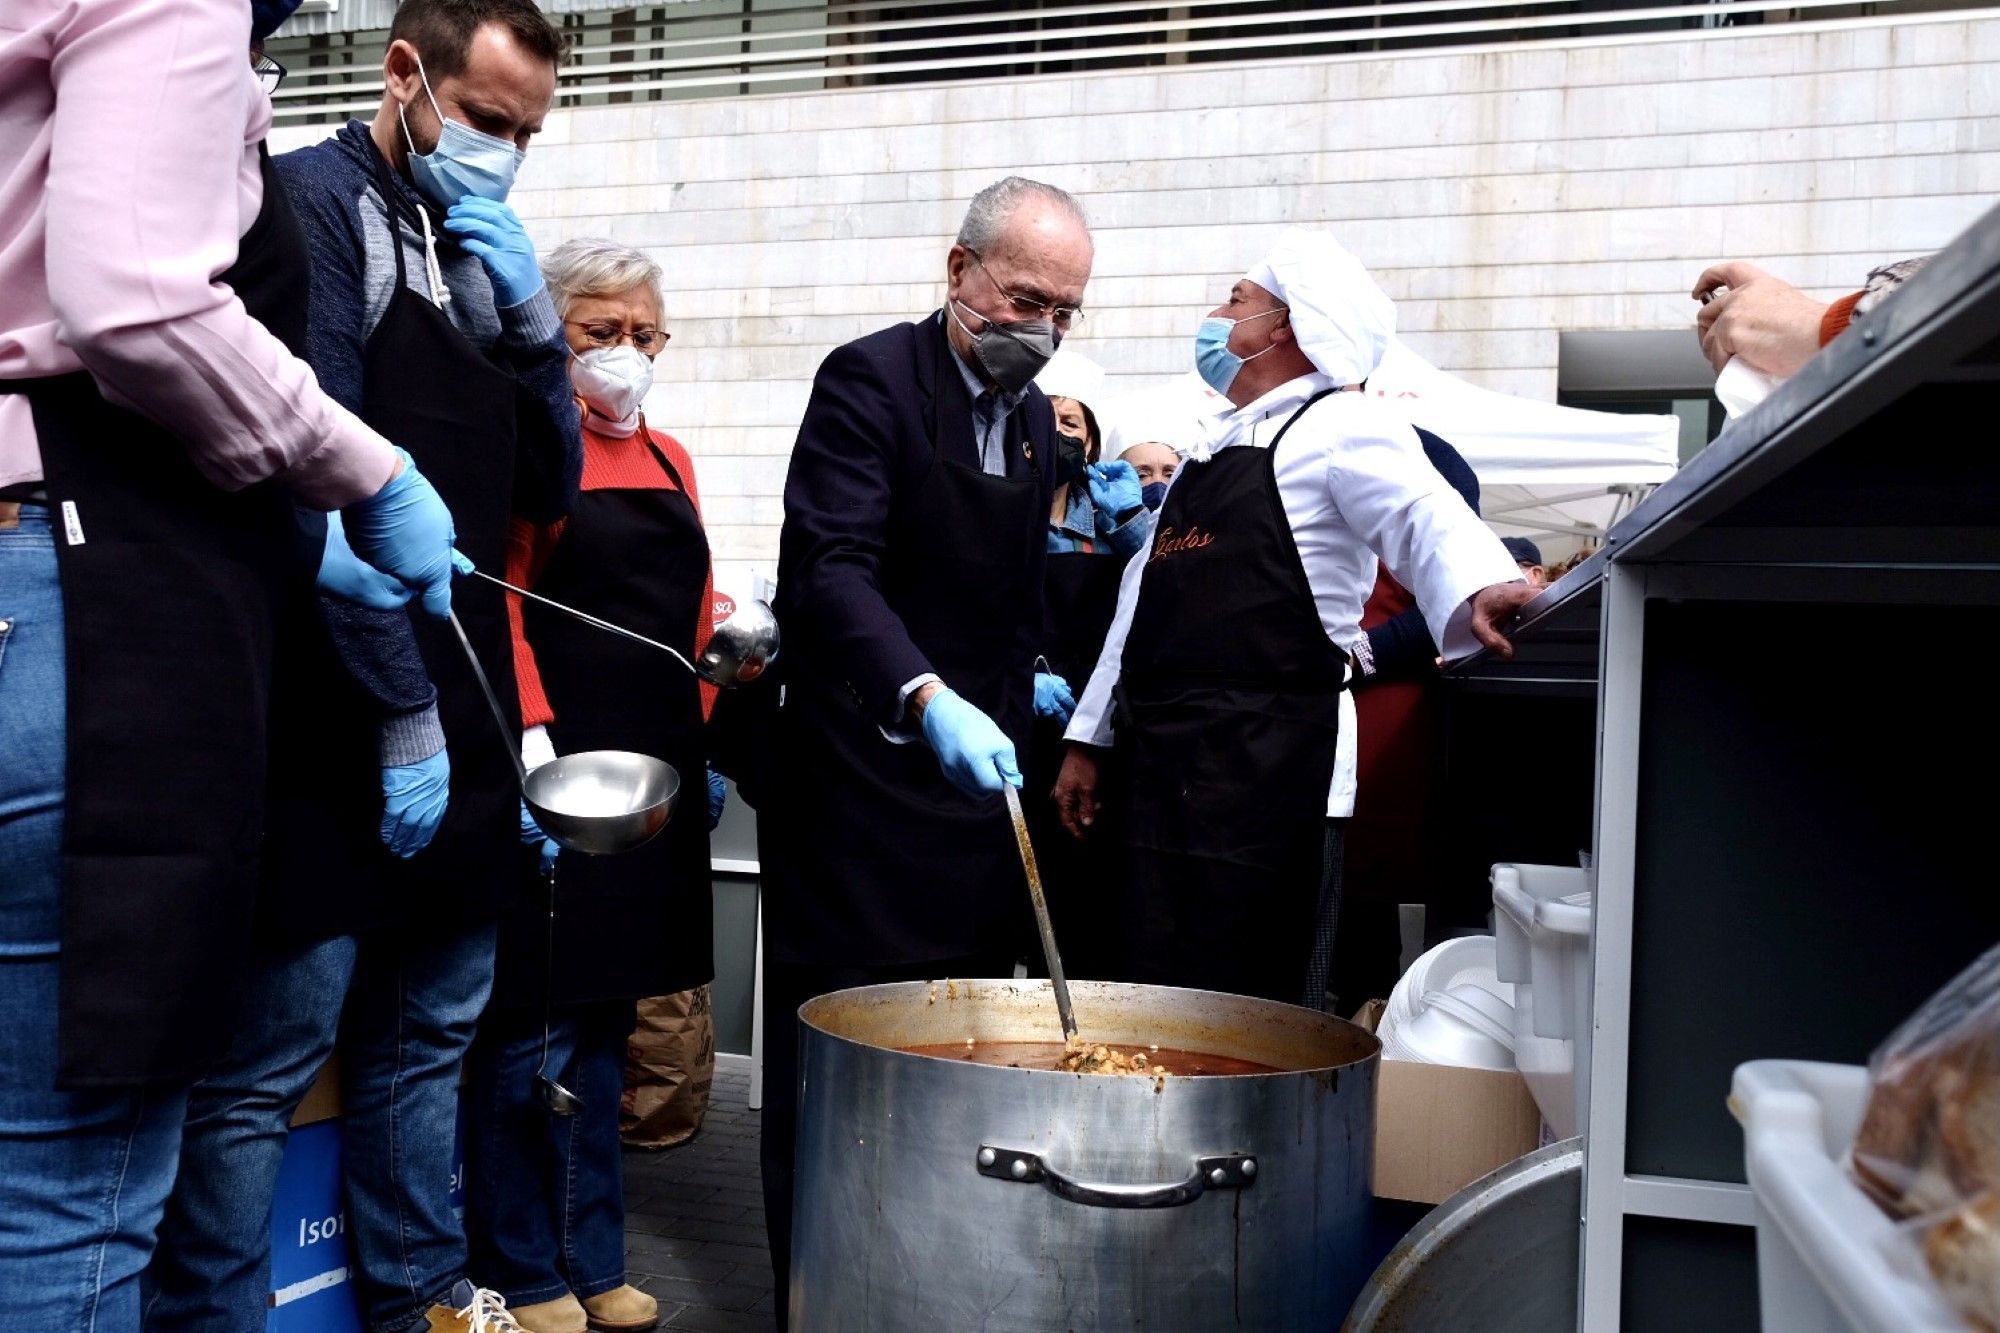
{"x": 1042, "y": 922}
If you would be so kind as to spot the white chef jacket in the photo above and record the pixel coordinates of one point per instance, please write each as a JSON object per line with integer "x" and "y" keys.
{"x": 1354, "y": 484}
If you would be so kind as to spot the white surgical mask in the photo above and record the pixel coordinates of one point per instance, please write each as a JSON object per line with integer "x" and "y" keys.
{"x": 613, "y": 381}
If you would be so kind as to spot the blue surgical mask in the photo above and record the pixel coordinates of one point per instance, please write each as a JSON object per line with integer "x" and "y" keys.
{"x": 465, "y": 161}
{"x": 1212, "y": 357}
{"x": 1153, "y": 494}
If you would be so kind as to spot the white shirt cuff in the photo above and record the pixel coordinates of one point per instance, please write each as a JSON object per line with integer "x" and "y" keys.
{"x": 536, "y": 747}
{"x": 904, "y": 729}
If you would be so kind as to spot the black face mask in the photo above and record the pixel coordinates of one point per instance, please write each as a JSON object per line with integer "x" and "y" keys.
{"x": 1071, "y": 459}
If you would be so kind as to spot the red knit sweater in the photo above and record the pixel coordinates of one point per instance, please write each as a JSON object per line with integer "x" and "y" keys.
{"x": 609, "y": 463}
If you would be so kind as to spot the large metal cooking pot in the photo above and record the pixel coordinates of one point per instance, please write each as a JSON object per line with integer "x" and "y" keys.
{"x": 934, "y": 1193}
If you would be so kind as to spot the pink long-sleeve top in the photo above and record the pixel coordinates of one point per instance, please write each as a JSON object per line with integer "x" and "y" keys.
{"x": 128, "y": 169}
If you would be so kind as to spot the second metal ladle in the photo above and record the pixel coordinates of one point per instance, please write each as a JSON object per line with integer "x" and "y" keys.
{"x": 740, "y": 650}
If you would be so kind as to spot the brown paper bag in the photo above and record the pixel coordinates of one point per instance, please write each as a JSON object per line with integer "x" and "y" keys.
{"x": 669, "y": 1065}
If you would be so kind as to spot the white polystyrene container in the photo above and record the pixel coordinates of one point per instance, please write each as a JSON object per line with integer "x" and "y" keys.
{"x": 1450, "y": 1009}
{"x": 1541, "y": 923}
{"x": 1823, "y": 1247}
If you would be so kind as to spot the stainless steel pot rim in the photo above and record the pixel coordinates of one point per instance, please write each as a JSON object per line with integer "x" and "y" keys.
{"x": 1092, "y": 996}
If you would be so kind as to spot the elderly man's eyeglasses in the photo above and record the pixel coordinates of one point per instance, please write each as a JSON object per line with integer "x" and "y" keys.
{"x": 649, "y": 341}
{"x": 1029, "y": 307}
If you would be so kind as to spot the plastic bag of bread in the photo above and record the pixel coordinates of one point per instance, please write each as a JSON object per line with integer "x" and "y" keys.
{"x": 1928, "y": 1147}
{"x": 1961, "y": 1250}
{"x": 1930, "y": 1139}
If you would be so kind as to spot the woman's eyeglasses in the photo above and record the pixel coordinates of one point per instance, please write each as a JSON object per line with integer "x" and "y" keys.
{"x": 648, "y": 341}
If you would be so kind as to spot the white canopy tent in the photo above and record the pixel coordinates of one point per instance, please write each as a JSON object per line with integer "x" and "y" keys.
{"x": 1557, "y": 475}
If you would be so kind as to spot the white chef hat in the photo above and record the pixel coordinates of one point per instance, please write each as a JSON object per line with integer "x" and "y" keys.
{"x": 1343, "y": 321}
{"x": 1071, "y": 374}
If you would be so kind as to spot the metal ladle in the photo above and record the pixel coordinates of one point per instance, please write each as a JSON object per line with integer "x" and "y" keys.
{"x": 597, "y": 801}
{"x": 554, "y": 1097}
{"x": 648, "y": 789}
{"x": 740, "y": 650}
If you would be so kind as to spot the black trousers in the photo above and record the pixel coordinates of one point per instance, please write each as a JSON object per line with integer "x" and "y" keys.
{"x": 1319, "y": 977}
{"x": 786, "y": 987}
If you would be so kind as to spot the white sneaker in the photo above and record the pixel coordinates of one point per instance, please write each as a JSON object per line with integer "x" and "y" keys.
{"x": 471, "y": 1309}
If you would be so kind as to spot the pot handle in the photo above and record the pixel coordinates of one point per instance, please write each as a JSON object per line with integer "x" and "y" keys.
{"x": 1229, "y": 1171}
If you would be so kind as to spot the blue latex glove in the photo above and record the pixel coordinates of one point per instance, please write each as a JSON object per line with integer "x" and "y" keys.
{"x": 532, "y": 835}
{"x": 718, "y": 796}
{"x": 405, "y": 530}
{"x": 346, "y": 575}
{"x": 1114, "y": 488}
{"x": 977, "y": 756}
{"x": 1053, "y": 697}
{"x": 413, "y": 801}
{"x": 492, "y": 231}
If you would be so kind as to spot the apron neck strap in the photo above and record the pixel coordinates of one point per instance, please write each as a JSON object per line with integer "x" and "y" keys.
{"x": 665, "y": 462}
{"x": 1293, "y": 419}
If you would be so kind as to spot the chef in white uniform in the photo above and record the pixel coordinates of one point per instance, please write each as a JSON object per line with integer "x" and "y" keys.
{"x": 1224, "y": 670}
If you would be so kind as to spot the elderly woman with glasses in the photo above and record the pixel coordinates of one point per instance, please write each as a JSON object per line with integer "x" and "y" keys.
{"x": 544, "y": 1207}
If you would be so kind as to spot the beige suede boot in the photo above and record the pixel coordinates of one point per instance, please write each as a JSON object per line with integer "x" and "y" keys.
{"x": 623, "y": 1309}
{"x": 561, "y": 1315}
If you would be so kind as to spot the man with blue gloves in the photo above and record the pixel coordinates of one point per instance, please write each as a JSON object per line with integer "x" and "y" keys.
{"x": 395, "y": 833}
{"x": 910, "y": 594}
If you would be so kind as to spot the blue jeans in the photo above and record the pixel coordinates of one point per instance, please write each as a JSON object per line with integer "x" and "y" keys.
{"x": 545, "y": 1194}
{"x": 83, "y": 1175}
{"x": 212, "y": 1270}
{"x": 413, "y": 996}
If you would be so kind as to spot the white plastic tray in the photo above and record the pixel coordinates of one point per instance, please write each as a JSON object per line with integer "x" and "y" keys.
{"x": 1822, "y": 1245}
{"x": 1541, "y": 926}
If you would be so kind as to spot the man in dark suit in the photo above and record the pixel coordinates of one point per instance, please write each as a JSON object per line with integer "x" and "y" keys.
{"x": 909, "y": 591}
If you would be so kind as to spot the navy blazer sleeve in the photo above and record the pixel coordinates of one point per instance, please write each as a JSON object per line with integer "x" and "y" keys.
{"x": 837, "y": 501}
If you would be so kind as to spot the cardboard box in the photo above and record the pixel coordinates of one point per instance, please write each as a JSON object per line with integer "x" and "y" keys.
{"x": 1438, "y": 1129}
{"x": 322, "y": 1100}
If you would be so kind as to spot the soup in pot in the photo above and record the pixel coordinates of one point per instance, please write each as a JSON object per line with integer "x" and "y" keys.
{"x": 1093, "y": 1058}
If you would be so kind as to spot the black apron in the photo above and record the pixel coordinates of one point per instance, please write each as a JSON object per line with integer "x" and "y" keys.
{"x": 1230, "y": 707}
{"x": 872, "y": 856}
{"x": 171, "y": 589}
{"x": 1079, "y": 602}
{"x": 1079, "y": 878}
{"x": 640, "y": 923}
{"x": 454, "y": 408}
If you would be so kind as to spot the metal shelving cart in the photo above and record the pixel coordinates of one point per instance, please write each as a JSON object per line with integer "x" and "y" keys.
{"x": 1795, "y": 804}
